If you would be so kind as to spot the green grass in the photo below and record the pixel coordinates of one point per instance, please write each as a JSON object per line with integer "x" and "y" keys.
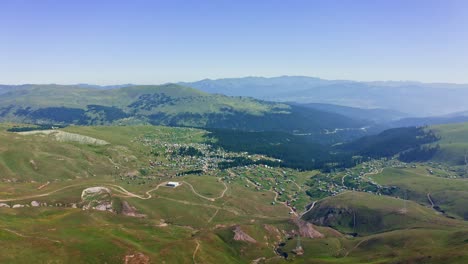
{"x": 450, "y": 194}
{"x": 453, "y": 143}
{"x": 105, "y": 237}
{"x": 365, "y": 214}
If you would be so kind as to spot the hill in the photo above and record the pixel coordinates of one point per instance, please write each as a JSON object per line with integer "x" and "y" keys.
{"x": 239, "y": 214}
{"x": 453, "y": 144}
{"x": 363, "y": 214}
{"x": 374, "y": 115}
{"x": 169, "y": 104}
{"x": 414, "y": 98}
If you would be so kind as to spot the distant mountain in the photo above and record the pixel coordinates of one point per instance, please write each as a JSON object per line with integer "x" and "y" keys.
{"x": 169, "y": 104}
{"x": 427, "y": 121}
{"x": 374, "y": 115}
{"x": 104, "y": 87}
{"x": 415, "y": 98}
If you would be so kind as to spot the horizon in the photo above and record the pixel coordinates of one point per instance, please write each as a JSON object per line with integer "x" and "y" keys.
{"x": 240, "y": 77}
{"x": 165, "y": 41}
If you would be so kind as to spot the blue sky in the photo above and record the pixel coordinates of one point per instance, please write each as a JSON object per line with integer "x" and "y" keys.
{"x": 110, "y": 42}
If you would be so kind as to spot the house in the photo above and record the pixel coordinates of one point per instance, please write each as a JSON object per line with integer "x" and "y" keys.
{"x": 172, "y": 184}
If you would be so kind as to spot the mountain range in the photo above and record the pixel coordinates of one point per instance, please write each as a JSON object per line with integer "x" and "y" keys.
{"x": 169, "y": 104}
{"x": 414, "y": 98}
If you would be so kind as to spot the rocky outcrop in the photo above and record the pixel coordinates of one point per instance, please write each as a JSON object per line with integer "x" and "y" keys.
{"x": 35, "y": 204}
{"x": 307, "y": 229}
{"x": 240, "y": 235}
{"x": 4, "y": 205}
{"x": 97, "y": 198}
{"x": 137, "y": 258}
{"x": 129, "y": 210}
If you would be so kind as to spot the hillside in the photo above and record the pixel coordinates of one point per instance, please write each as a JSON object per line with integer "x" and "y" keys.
{"x": 453, "y": 144}
{"x": 414, "y": 98}
{"x": 361, "y": 214}
{"x": 169, "y": 104}
{"x": 98, "y": 194}
{"x": 375, "y": 115}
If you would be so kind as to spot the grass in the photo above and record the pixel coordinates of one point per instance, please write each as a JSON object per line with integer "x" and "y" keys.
{"x": 365, "y": 214}
{"x": 177, "y": 219}
{"x": 449, "y": 194}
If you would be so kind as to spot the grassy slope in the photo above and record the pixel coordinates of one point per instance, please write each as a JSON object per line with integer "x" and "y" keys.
{"x": 191, "y": 100}
{"x": 450, "y": 194}
{"x": 364, "y": 214}
{"x": 453, "y": 143}
{"x": 98, "y": 237}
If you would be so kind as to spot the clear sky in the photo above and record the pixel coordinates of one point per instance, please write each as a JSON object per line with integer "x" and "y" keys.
{"x": 111, "y": 42}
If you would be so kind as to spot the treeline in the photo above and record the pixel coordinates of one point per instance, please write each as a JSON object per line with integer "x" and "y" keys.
{"x": 392, "y": 142}
{"x": 422, "y": 153}
{"x": 188, "y": 151}
{"x": 33, "y": 128}
{"x": 242, "y": 161}
{"x": 294, "y": 151}
{"x": 92, "y": 115}
{"x": 299, "y": 153}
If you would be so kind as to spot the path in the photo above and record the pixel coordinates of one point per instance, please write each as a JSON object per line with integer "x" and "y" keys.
{"x": 195, "y": 252}
{"x": 40, "y": 195}
{"x": 26, "y": 236}
{"x": 213, "y": 216}
{"x": 207, "y": 198}
{"x": 342, "y": 180}
{"x": 430, "y": 200}
{"x": 311, "y": 207}
{"x": 373, "y": 172}
{"x": 356, "y": 246}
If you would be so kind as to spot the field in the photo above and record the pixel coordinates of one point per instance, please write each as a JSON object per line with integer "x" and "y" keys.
{"x": 238, "y": 215}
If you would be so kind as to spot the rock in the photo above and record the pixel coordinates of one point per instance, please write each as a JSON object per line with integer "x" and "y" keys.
{"x": 101, "y": 207}
{"x": 137, "y": 258}
{"x": 240, "y": 235}
{"x": 98, "y": 198}
{"x": 129, "y": 210}
{"x": 307, "y": 229}
{"x": 4, "y": 205}
{"x": 35, "y": 204}
{"x": 17, "y": 206}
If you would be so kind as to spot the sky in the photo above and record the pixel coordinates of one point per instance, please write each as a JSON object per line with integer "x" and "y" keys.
{"x": 151, "y": 42}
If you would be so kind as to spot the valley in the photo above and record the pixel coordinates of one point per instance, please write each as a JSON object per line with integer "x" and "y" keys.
{"x": 221, "y": 211}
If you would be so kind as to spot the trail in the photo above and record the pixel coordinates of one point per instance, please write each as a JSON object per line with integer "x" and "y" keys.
{"x": 430, "y": 200}
{"x": 208, "y": 198}
{"x": 373, "y": 172}
{"x": 311, "y": 207}
{"x": 297, "y": 185}
{"x": 148, "y": 193}
{"x": 213, "y": 216}
{"x": 40, "y": 195}
{"x": 342, "y": 180}
{"x": 195, "y": 252}
{"x": 43, "y": 185}
{"x": 26, "y": 236}
{"x": 116, "y": 188}
{"x": 355, "y": 247}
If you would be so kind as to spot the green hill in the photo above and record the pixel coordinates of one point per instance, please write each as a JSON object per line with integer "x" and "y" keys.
{"x": 169, "y": 104}
{"x": 215, "y": 216}
{"x": 363, "y": 214}
{"x": 453, "y": 143}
